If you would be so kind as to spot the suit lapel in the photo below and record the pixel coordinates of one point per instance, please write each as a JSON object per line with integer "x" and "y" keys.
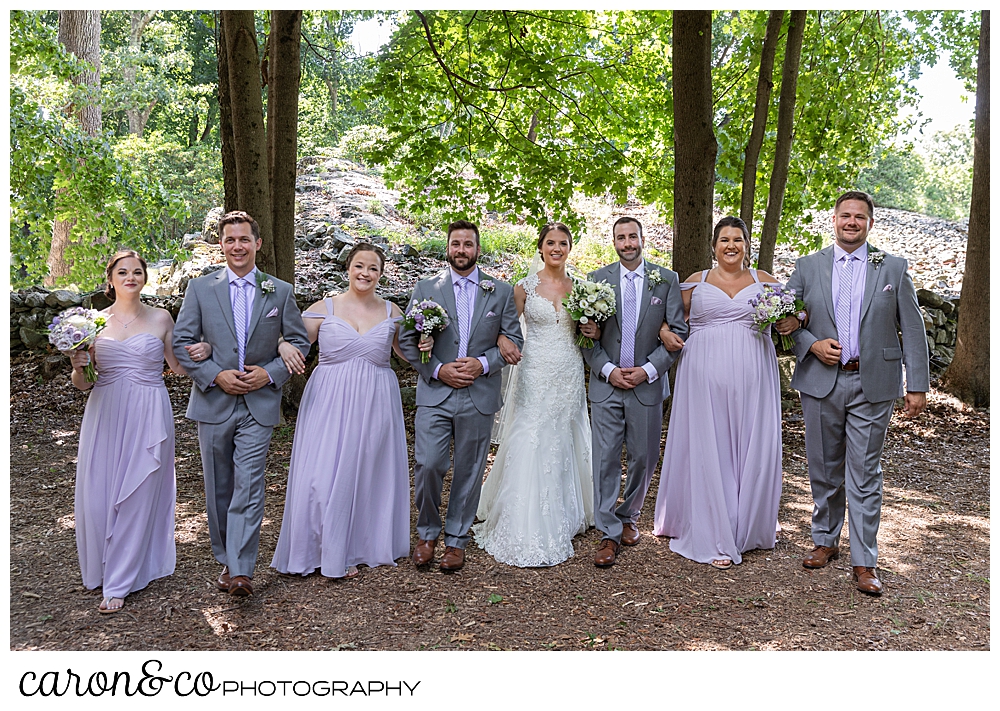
{"x": 448, "y": 295}
{"x": 259, "y": 301}
{"x": 221, "y": 288}
{"x": 643, "y": 301}
{"x": 480, "y": 303}
{"x": 826, "y": 281}
{"x": 871, "y": 283}
{"x": 615, "y": 282}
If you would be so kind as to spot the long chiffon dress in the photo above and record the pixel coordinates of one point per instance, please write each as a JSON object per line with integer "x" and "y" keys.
{"x": 720, "y": 483}
{"x": 348, "y": 496}
{"x": 125, "y": 489}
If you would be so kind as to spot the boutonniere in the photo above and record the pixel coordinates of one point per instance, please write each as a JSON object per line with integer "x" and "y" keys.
{"x": 266, "y": 285}
{"x": 875, "y": 256}
{"x": 653, "y": 278}
{"x": 487, "y": 285}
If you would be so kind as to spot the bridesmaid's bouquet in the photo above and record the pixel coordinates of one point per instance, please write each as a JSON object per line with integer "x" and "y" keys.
{"x": 772, "y": 304}
{"x": 589, "y": 301}
{"x": 427, "y": 318}
{"x": 76, "y": 329}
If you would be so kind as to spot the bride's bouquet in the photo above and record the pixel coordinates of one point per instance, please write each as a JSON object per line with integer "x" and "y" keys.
{"x": 589, "y": 301}
{"x": 427, "y": 318}
{"x": 772, "y": 304}
{"x": 76, "y": 329}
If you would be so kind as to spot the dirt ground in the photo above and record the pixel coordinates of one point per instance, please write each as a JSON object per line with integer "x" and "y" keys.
{"x": 934, "y": 559}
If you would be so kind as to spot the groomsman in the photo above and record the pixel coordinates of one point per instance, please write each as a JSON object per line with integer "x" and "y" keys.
{"x": 458, "y": 393}
{"x": 236, "y": 395}
{"x": 626, "y": 401}
{"x": 849, "y": 373}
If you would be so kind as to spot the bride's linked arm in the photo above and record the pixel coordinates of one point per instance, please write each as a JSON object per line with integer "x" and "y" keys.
{"x": 510, "y": 327}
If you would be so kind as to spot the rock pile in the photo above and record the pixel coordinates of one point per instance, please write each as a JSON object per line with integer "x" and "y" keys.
{"x": 941, "y": 325}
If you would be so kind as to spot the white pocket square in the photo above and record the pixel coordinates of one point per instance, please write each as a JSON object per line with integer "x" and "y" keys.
{"x": 272, "y": 313}
{"x": 490, "y": 314}
{"x": 655, "y": 301}
{"x": 888, "y": 287}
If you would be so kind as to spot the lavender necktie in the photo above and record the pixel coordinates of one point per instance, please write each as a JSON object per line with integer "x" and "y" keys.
{"x": 240, "y": 320}
{"x": 462, "y": 303}
{"x": 627, "y": 359}
{"x": 844, "y": 308}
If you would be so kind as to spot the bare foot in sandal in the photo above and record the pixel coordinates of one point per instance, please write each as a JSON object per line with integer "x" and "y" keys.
{"x": 352, "y": 572}
{"x": 722, "y": 564}
{"x": 110, "y": 605}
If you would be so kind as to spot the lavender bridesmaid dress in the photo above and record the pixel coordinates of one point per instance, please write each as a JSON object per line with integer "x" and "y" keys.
{"x": 721, "y": 479}
{"x": 125, "y": 488}
{"x": 348, "y": 496}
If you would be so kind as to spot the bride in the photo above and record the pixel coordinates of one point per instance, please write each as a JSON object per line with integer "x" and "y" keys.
{"x": 539, "y": 493}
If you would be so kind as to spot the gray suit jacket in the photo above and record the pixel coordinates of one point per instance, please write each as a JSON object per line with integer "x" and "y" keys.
{"x": 493, "y": 314}
{"x": 660, "y": 303}
{"x": 207, "y": 315}
{"x": 888, "y": 306}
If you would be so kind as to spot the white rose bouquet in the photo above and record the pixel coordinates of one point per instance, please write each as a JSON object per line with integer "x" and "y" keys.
{"x": 589, "y": 301}
{"x": 76, "y": 329}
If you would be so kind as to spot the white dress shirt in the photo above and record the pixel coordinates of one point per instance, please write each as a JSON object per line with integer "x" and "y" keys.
{"x": 651, "y": 374}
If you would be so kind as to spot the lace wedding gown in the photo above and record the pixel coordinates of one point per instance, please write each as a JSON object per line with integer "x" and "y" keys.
{"x": 539, "y": 493}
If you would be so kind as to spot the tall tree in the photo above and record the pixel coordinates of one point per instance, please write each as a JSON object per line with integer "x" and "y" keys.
{"x": 80, "y": 34}
{"x": 282, "y": 130}
{"x": 253, "y": 189}
{"x": 762, "y": 104}
{"x": 137, "y": 115}
{"x": 695, "y": 146}
{"x": 783, "y": 144}
{"x": 230, "y": 198}
{"x": 968, "y": 376}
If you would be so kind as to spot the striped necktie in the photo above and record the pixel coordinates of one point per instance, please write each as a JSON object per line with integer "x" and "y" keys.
{"x": 240, "y": 320}
{"x": 627, "y": 359}
{"x": 464, "y": 312}
{"x": 844, "y": 308}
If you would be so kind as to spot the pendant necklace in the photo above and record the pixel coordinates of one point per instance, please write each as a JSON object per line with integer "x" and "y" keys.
{"x": 123, "y": 323}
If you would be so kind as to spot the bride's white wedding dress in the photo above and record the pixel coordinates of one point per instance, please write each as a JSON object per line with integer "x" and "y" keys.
{"x": 539, "y": 493}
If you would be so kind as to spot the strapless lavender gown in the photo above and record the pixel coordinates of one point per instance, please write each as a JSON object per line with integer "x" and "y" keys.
{"x": 720, "y": 483}
{"x": 125, "y": 489}
{"x": 348, "y": 496}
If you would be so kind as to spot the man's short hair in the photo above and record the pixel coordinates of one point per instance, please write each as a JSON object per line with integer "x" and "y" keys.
{"x": 624, "y": 220}
{"x": 463, "y": 225}
{"x": 237, "y": 217}
{"x": 856, "y": 195}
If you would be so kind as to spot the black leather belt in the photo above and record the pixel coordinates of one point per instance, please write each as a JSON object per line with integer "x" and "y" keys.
{"x": 850, "y": 365}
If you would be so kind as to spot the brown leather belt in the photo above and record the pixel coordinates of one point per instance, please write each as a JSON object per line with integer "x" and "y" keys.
{"x": 850, "y": 365}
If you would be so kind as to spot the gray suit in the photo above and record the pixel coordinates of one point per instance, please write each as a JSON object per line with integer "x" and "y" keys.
{"x": 633, "y": 417}
{"x": 465, "y": 414}
{"x": 234, "y": 432}
{"x": 847, "y": 413}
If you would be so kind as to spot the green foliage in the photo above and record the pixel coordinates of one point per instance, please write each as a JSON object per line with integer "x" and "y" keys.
{"x": 362, "y": 141}
{"x": 895, "y": 180}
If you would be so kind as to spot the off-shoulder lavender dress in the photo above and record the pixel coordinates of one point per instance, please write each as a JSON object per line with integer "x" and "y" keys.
{"x": 348, "y": 496}
{"x": 125, "y": 488}
{"x": 720, "y": 483}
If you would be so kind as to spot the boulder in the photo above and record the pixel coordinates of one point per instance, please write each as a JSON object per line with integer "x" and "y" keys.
{"x": 34, "y": 299}
{"x": 210, "y": 229}
{"x": 926, "y": 297}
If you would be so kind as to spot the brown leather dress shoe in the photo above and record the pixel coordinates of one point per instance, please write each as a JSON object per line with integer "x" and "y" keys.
{"x": 820, "y": 557}
{"x": 239, "y": 586}
{"x": 223, "y": 582}
{"x": 630, "y": 534}
{"x": 424, "y": 552}
{"x": 453, "y": 558}
{"x": 606, "y": 554}
{"x": 867, "y": 580}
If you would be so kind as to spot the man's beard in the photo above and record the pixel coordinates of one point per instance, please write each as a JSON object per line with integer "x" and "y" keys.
{"x": 471, "y": 262}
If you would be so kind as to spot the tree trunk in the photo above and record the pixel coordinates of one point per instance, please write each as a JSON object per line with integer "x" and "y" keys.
{"x": 137, "y": 117}
{"x": 230, "y": 200}
{"x": 968, "y": 376}
{"x": 282, "y": 131}
{"x": 80, "y": 34}
{"x": 253, "y": 189}
{"x": 695, "y": 146}
{"x": 783, "y": 144}
{"x": 764, "y": 85}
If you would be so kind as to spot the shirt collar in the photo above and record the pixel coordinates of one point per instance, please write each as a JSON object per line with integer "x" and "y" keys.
{"x": 640, "y": 270}
{"x": 473, "y": 276}
{"x": 251, "y": 276}
{"x": 860, "y": 253}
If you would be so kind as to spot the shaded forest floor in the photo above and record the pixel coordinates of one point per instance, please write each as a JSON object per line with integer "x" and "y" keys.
{"x": 934, "y": 556}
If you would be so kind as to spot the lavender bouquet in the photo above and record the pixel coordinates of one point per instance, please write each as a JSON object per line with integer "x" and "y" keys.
{"x": 427, "y": 318}
{"x": 76, "y": 329}
{"x": 772, "y": 304}
{"x": 589, "y": 301}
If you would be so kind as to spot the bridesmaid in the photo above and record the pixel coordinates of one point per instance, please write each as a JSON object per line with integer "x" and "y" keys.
{"x": 348, "y": 497}
{"x": 125, "y": 465}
